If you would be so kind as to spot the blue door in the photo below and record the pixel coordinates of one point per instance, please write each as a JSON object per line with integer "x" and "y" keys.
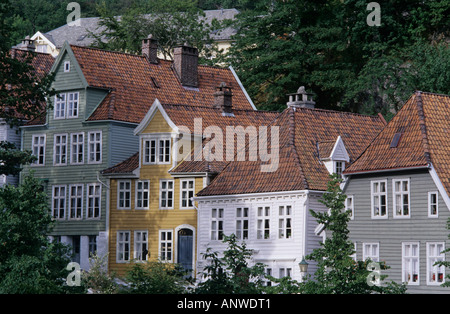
{"x": 185, "y": 249}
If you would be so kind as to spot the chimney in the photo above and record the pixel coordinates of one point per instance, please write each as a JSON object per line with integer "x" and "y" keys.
{"x": 28, "y": 44}
{"x": 185, "y": 61}
{"x": 150, "y": 48}
{"x": 223, "y": 99}
{"x": 301, "y": 99}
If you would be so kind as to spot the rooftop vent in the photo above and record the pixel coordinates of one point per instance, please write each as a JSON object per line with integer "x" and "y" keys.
{"x": 395, "y": 140}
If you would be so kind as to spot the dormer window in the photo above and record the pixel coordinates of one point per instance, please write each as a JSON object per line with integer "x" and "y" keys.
{"x": 156, "y": 151}
{"x": 333, "y": 155}
{"x": 339, "y": 167}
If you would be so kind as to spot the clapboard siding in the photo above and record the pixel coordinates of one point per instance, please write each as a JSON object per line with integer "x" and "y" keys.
{"x": 123, "y": 143}
{"x": 390, "y": 233}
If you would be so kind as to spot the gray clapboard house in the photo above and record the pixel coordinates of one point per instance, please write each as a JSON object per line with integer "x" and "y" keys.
{"x": 102, "y": 97}
{"x": 398, "y": 191}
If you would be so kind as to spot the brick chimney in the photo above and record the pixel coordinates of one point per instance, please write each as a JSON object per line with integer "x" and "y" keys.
{"x": 223, "y": 99}
{"x": 301, "y": 99}
{"x": 150, "y": 48}
{"x": 185, "y": 62}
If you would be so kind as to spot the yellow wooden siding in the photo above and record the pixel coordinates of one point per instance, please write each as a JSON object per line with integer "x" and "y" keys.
{"x": 157, "y": 125}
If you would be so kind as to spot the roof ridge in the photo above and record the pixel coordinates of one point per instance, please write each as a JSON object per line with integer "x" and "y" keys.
{"x": 432, "y": 93}
{"x": 106, "y": 50}
{"x": 210, "y": 107}
{"x": 422, "y": 126}
{"x": 336, "y": 111}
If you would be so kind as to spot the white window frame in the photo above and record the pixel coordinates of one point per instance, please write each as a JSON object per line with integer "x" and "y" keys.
{"x": 149, "y": 149}
{"x": 145, "y": 194}
{"x": 139, "y": 243}
{"x": 91, "y": 200}
{"x": 285, "y": 218}
{"x": 73, "y": 105}
{"x": 60, "y": 107}
{"x": 95, "y": 147}
{"x": 123, "y": 245}
{"x": 401, "y": 194}
{"x": 430, "y": 204}
{"x": 350, "y": 206}
{"x": 78, "y": 197}
{"x": 410, "y": 262}
{"x": 435, "y": 272}
{"x": 38, "y": 149}
{"x": 166, "y": 194}
{"x": 242, "y": 222}
{"x": 59, "y": 198}
{"x": 76, "y": 147}
{"x": 152, "y": 154}
{"x": 263, "y": 222}
{"x": 165, "y": 246}
{"x": 66, "y": 66}
{"x": 339, "y": 170}
{"x": 371, "y": 250}
{"x": 58, "y": 159}
{"x": 123, "y": 193}
{"x": 378, "y": 194}
{"x": 186, "y": 194}
{"x": 217, "y": 224}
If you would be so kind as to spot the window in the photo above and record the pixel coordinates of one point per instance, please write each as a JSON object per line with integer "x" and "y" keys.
{"x": 123, "y": 246}
{"x": 401, "y": 198}
{"x": 432, "y": 204}
{"x": 371, "y": 251}
{"x": 95, "y": 147}
{"x": 166, "y": 194}
{"x": 75, "y": 201}
{"x": 217, "y": 224}
{"x": 349, "y": 206}
{"x": 124, "y": 194}
{"x": 60, "y": 149}
{"x": 263, "y": 223}
{"x": 142, "y": 194}
{"x": 92, "y": 245}
{"x": 242, "y": 223}
{"x": 339, "y": 167}
{"x": 77, "y": 148}
{"x": 38, "y": 149}
{"x": 67, "y": 66}
{"x": 72, "y": 105}
{"x": 284, "y": 222}
{"x": 156, "y": 151}
{"x": 94, "y": 192}
{"x": 285, "y": 272}
{"x": 140, "y": 245}
{"x": 379, "y": 199}
{"x": 165, "y": 245}
{"x": 187, "y": 193}
{"x": 435, "y": 273}
{"x": 58, "y": 201}
{"x": 410, "y": 263}
{"x": 60, "y": 106}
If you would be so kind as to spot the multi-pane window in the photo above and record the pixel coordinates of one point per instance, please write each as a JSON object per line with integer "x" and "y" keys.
{"x": 77, "y": 148}
{"x": 379, "y": 199}
{"x": 149, "y": 151}
{"x": 401, "y": 197}
{"x": 242, "y": 223}
{"x": 94, "y": 192}
{"x": 349, "y": 206}
{"x": 38, "y": 149}
{"x": 217, "y": 219}
{"x": 58, "y": 201}
{"x": 285, "y": 272}
{"x": 92, "y": 245}
{"x": 140, "y": 245}
{"x": 142, "y": 194}
{"x": 432, "y": 204}
{"x": 165, "y": 245}
{"x": 371, "y": 251}
{"x": 75, "y": 201}
{"x": 164, "y": 151}
{"x": 95, "y": 147}
{"x": 435, "y": 273}
{"x": 187, "y": 193}
{"x": 60, "y": 149}
{"x": 72, "y": 105}
{"x": 166, "y": 194}
{"x": 285, "y": 222}
{"x": 60, "y": 106}
{"x": 263, "y": 223}
{"x": 339, "y": 167}
{"x": 123, "y": 246}
{"x": 410, "y": 263}
{"x": 124, "y": 194}
{"x": 156, "y": 151}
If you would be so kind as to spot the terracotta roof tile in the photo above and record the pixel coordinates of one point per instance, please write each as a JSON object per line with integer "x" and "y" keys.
{"x": 125, "y": 167}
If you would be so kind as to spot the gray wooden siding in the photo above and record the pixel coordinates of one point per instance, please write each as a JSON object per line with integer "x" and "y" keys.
{"x": 390, "y": 233}
{"x": 123, "y": 143}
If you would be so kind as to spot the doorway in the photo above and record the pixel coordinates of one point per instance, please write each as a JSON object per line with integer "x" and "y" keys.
{"x": 185, "y": 251}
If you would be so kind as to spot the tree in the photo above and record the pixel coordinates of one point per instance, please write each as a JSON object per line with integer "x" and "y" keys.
{"x": 337, "y": 272}
{"x": 97, "y": 280}
{"x": 231, "y": 273}
{"x": 29, "y": 261}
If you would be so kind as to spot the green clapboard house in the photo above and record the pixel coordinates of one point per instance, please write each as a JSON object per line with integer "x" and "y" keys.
{"x": 102, "y": 97}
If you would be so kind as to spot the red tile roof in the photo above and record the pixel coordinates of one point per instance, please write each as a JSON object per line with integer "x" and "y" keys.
{"x": 423, "y": 123}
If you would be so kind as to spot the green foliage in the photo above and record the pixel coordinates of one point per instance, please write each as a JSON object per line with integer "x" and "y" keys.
{"x": 12, "y": 158}
{"x": 29, "y": 262}
{"x": 97, "y": 279}
{"x": 231, "y": 273}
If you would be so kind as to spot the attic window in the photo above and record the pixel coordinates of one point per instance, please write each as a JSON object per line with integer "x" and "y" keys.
{"x": 395, "y": 140}
{"x": 67, "y": 66}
